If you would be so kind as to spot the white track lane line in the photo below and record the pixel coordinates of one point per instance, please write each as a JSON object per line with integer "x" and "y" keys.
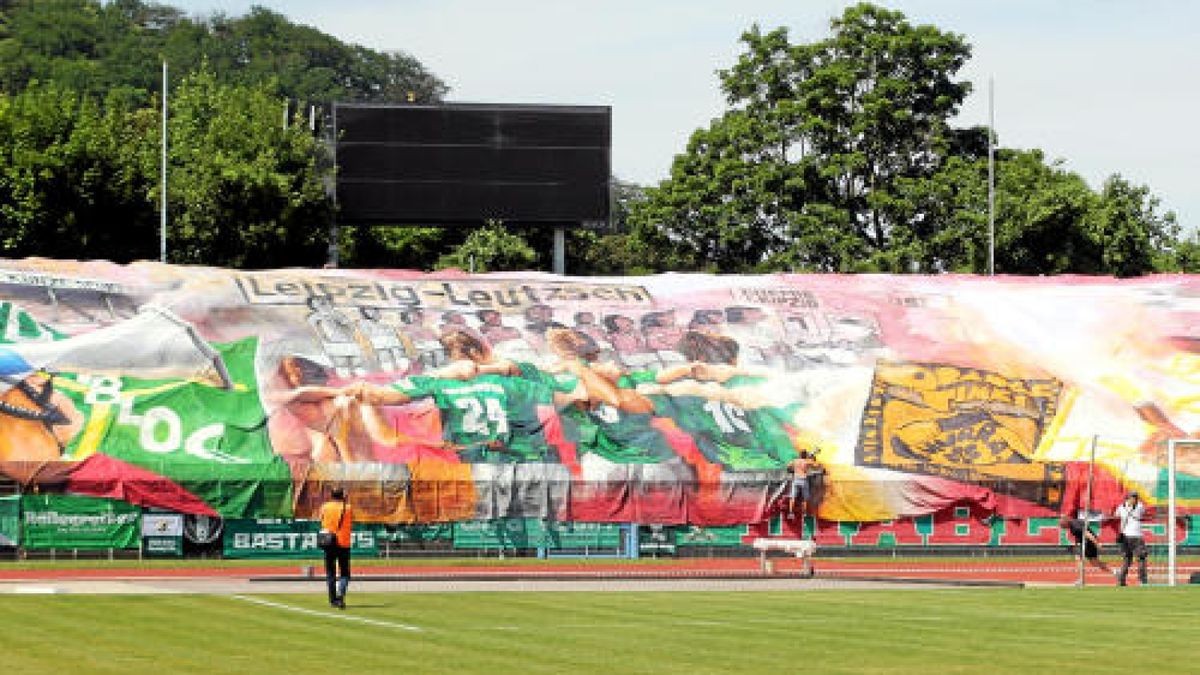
{"x": 328, "y": 615}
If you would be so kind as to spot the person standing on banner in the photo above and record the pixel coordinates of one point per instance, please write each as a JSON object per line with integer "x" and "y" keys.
{"x": 801, "y": 468}
{"x": 1131, "y": 537}
{"x": 337, "y": 517}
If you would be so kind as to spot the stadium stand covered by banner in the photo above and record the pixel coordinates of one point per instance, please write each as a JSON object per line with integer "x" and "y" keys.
{"x": 672, "y": 399}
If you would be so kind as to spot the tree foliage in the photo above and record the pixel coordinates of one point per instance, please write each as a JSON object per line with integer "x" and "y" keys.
{"x": 840, "y": 155}
{"x": 95, "y": 48}
{"x": 1134, "y": 235}
{"x": 810, "y": 165}
{"x": 80, "y": 132}
{"x": 72, "y": 177}
{"x": 488, "y": 249}
{"x": 81, "y": 180}
{"x": 246, "y": 190}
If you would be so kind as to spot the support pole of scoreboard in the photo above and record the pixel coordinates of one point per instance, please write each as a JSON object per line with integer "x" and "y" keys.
{"x": 560, "y": 250}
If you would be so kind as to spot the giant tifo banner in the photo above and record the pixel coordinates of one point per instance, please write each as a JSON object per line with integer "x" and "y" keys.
{"x": 672, "y": 399}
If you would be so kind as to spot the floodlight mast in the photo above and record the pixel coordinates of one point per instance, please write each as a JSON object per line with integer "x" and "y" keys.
{"x": 991, "y": 178}
{"x": 162, "y": 194}
{"x": 333, "y": 260}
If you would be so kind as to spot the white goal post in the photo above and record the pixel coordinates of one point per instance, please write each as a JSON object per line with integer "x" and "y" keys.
{"x": 1172, "y": 511}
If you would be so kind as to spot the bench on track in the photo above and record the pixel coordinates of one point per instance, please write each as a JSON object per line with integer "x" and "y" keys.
{"x": 803, "y": 549}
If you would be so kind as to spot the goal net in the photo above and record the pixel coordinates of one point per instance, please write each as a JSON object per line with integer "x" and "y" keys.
{"x": 1169, "y": 489}
{"x": 1171, "y": 518}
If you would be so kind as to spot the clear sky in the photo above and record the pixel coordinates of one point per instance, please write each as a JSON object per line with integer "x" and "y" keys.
{"x": 1108, "y": 86}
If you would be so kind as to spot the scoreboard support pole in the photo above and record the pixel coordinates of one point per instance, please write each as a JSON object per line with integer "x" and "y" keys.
{"x": 333, "y": 255}
{"x": 560, "y": 250}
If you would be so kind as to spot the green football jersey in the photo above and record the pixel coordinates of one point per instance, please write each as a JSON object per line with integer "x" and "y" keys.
{"x": 556, "y": 382}
{"x": 619, "y": 436}
{"x": 737, "y": 438}
{"x": 494, "y": 416}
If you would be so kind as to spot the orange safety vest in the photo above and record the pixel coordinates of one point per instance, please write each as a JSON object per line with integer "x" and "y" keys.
{"x": 331, "y": 514}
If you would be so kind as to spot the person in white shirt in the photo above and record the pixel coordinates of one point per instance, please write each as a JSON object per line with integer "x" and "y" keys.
{"x": 1131, "y": 537}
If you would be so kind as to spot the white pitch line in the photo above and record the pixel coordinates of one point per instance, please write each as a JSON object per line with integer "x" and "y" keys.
{"x": 328, "y": 615}
{"x": 35, "y": 590}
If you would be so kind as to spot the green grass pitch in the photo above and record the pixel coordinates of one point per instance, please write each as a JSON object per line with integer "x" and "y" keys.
{"x": 1059, "y": 631}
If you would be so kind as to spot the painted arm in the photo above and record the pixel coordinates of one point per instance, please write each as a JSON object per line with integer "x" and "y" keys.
{"x": 674, "y": 373}
{"x": 373, "y": 394}
{"x": 312, "y": 394}
{"x": 715, "y": 372}
{"x": 630, "y": 400}
{"x": 746, "y": 398}
{"x": 498, "y": 367}
{"x": 597, "y": 388}
{"x": 563, "y": 399}
{"x": 699, "y": 370}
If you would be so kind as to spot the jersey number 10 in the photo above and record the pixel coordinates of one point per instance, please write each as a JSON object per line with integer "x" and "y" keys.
{"x": 730, "y": 418}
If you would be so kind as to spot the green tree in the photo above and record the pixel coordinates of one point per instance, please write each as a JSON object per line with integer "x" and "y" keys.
{"x": 79, "y": 160}
{"x": 244, "y": 190}
{"x": 721, "y": 209}
{"x": 305, "y": 63}
{"x": 603, "y": 251}
{"x": 96, "y": 48}
{"x": 72, "y": 178}
{"x": 85, "y": 45}
{"x": 807, "y": 168}
{"x": 613, "y": 250}
{"x": 839, "y": 156}
{"x": 490, "y": 248}
{"x": 1184, "y": 255}
{"x": 1048, "y": 221}
{"x": 947, "y": 230}
{"x": 1041, "y": 210}
{"x": 1134, "y": 236}
{"x": 51, "y": 41}
{"x": 397, "y": 246}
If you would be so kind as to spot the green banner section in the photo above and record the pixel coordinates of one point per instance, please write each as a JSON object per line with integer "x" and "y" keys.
{"x": 583, "y": 536}
{"x": 710, "y": 536}
{"x": 210, "y": 439}
{"x": 10, "y": 521}
{"x": 409, "y": 534}
{"x": 67, "y": 521}
{"x": 1193, "y": 531}
{"x": 285, "y": 538}
{"x": 535, "y": 533}
{"x": 509, "y": 533}
{"x": 1187, "y": 486}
